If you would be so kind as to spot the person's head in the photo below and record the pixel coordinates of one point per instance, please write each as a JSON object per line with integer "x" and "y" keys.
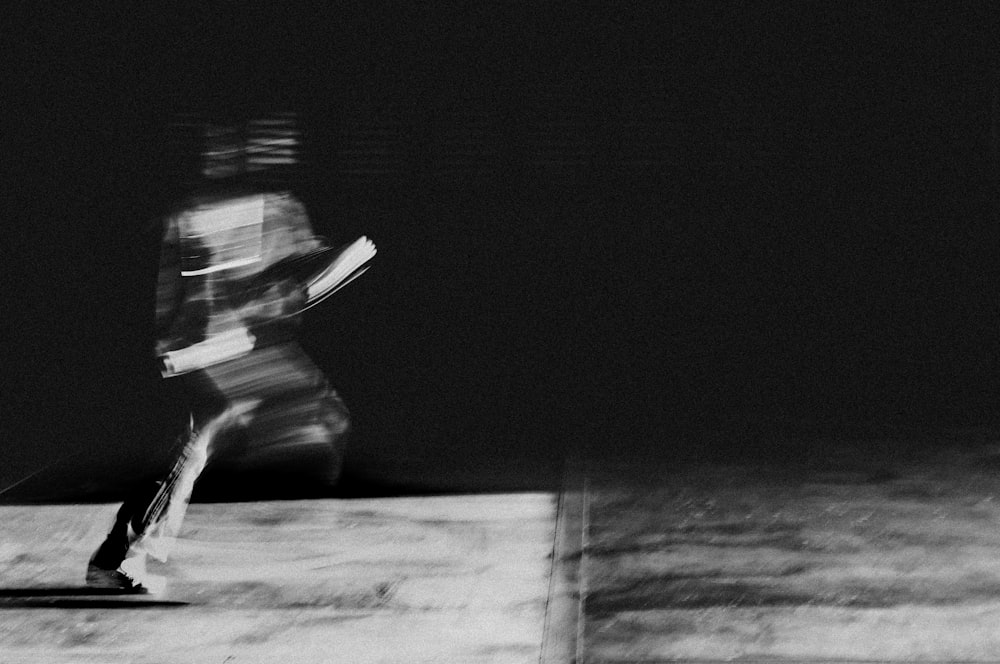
{"x": 272, "y": 147}
{"x": 215, "y": 149}
{"x": 224, "y": 151}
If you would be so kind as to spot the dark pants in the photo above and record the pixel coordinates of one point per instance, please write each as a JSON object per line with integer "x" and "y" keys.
{"x": 293, "y": 409}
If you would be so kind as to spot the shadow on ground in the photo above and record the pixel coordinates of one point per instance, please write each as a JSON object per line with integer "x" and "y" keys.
{"x": 77, "y": 597}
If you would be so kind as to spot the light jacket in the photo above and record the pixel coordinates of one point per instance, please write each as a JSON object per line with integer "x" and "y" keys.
{"x": 212, "y": 282}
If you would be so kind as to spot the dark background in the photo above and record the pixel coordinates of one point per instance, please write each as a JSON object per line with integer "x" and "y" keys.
{"x": 674, "y": 230}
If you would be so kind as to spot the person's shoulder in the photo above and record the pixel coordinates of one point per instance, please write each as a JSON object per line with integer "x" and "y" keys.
{"x": 278, "y": 196}
{"x": 283, "y": 202}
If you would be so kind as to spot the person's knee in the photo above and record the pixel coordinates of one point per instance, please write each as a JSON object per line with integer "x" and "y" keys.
{"x": 133, "y": 512}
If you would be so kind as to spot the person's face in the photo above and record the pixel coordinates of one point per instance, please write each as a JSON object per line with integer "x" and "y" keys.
{"x": 223, "y": 154}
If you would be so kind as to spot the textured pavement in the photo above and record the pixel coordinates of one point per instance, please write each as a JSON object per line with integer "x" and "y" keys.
{"x": 839, "y": 551}
{"x": 875, "y": 551}
{"x": 436, "y": 579}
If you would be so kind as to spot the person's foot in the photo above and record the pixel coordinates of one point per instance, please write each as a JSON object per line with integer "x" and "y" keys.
{"x": 115, "y": 579}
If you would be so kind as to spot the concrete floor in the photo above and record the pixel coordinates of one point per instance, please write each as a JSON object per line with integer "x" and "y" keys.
{"x": 436, "y": 579}
{"x": 876, "y": 551}
{"x": 863, "y": 551}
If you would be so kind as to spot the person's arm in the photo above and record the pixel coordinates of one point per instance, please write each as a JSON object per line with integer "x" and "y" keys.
{"x": 287, "y": 230}
{"x": 184, "y": 303}
{"x": 270, "y": 306}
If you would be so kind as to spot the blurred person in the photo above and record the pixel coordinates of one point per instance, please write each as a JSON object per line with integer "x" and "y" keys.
{"x": 227, "y": 311}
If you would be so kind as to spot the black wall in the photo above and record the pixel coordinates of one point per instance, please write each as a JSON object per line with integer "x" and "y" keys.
{"x": 595, "y": 229}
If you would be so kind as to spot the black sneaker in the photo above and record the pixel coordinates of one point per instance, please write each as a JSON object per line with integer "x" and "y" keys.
{"x": 114, "y": 579}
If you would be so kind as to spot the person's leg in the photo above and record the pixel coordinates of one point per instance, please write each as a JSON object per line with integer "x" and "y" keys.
{"x": 301, "y": 424}
{"x": 145, "y": 505}
{"x": 300, "y": 407}
{"x": 149, "y": 521}
{"x": 107, "y": 566}
{"x": 161, "y": 521}
{"x": 114, "y": 548}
